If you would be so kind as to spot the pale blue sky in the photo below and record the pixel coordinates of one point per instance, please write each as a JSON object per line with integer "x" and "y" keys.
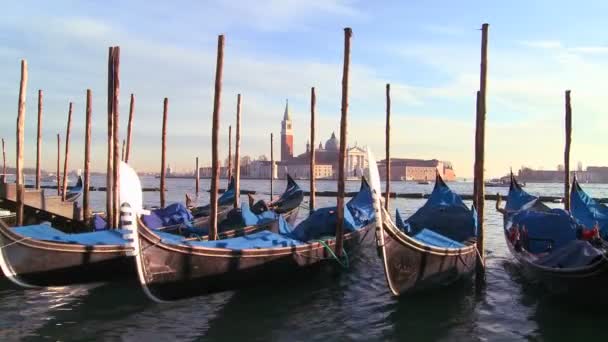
{"x": 428, "y": 51}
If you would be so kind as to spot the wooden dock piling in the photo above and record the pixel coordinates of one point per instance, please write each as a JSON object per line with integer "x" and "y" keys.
{"x": 58, "y": 174}
{"x": 348, "y": 33}
{"x": 20, "y": 142}
{"x": 129, "y": 128}
{"x": 87, "y": 159}
{"x": 237, "y": 154}
{"x": 163, "y": 154}
{"x": 388, "y": 146}
{"x": 66, "y": 156}
{"x": 229, "y": 169}
{"x": 313, "y": 187}
{"x": 3, "y": 161}
{"x": 116, "y": 136}
{"x": 39, "y": 140}
{"x": 215, "y": 170}
{"x": 271, "y": 165}
{"x": 197, "y": 177}
{"x": 480, "y": 153}
{"x": 567, "y": 152}
{"x": 110, "y": 154}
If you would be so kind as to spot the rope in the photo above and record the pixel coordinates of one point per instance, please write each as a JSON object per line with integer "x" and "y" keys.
{"x": 14, "y": 242}
{"x": 344, "y": 264}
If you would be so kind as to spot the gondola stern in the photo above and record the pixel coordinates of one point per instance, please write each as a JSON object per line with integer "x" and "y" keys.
{"x": 5, "y": 264}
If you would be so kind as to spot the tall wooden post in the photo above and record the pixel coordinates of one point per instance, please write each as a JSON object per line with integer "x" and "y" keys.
{"x": 215, "y": 169}
{"x": 197, "y": 177}
{"x": 39, "y": 140}
{"x": 3, "y": 161}
{"x": 237, "y": 154}
{"x": 271, "y": 165}
{"x": 129, "y": 129}
{"x": 116, "y": 136}
{"x": 348, "y": 33}
{"x": 66, "y": 157}
{"x": 388, "y": 145}
{"x": 480, "y": 151}
{"x": 229, "y": 170}
{"x": 567, "y": 152}
{"x": 110, "y": 154}
{"x": 163, "y": 154}
{"x": 20, "y": 133}
{"x": 58, "y": 174}
{"x": 87, "y": 158}
{"x": 313, "y": 188}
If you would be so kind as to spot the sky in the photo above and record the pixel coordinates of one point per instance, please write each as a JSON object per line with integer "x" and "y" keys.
{"x": 277, "y": 49}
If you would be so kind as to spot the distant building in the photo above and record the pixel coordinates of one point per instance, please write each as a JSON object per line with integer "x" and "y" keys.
{"x": 417, "y": 169}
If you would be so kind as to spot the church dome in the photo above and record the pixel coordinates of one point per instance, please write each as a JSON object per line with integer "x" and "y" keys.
{"x": 332, "y": 144}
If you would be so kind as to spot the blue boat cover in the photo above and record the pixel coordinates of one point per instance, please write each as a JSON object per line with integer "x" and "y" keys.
{"x": 429, "y": 237}
{"x": 262, "y": 239}
{"x": 291, "y": 197}
{"x": 444, "y": 213}
{"x": 588, "y": 211}
{"x": 99, "y": 223}
{"x": 173, "y": 214}
{"x": 518, "y": 199}
{"x": 404, "y": 227}
{"x": 47, "y": 233}
{"x": 546, "y": 229}
{"x": 358, "y": 212}
{"x": 576, "y": 253}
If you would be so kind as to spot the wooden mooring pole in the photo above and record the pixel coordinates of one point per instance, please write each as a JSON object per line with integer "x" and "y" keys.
{"x": 271, "y": 165}
{"x": 127, "y": 153}
{"x": 480, "y": 153}
{"x": 197, "y": 177}
{"x": 87, "y": 158}
{"x": 348, "y": 33}
{"x": 215, "y": 170}
{"x": 313, "y": 187}
{"x": 229, "y": 169}
{"x": 110, "y": 154}
{"x": 20, "y": 142}
{"x": 116, "y": 136}
{"x": 39, "y": 140}
{"x": 237, "y": 154}
{"x": 388, "y": 146}
{"x": 66, "y": 156}
{"x": 58, "y": 174}
{"x": 163, "y": 154}
{"x": 567, "y": 152}
{"x": 3, "y": 161}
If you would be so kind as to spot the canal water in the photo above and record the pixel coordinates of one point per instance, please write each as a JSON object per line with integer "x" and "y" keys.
{"x": 349, "y": 305}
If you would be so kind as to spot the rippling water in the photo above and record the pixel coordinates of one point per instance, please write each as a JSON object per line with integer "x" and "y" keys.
{"x": 334, "y": 305}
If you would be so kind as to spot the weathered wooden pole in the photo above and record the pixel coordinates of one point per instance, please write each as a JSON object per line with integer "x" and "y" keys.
{"x": 58, "y": 164}
{"x": 229, "y": 170}
{"x": 116, "y": 135}
{"x": 237, "y": 154}
{"x": 477, "y": 109}
{"x": 163, "y": 154}
{"x": 197, "y": 177}
{"x": 127, "y": 154}
{"x": 348, "y": 33}
{"x": 87, "y": 158}
{"x": 20, "y": 142}
{"x": 388, "y": 145}
{"x": 66, "y": 156}
{"x": 215, "y": 166}
{"x": 480, "y": 152}
{"x": 39, "y": 140}
{"x": 313, "y": 187}
{"x": 567, "y": 152}
{"x": 110, "y": 154}
{"x": 3, "y": 161}
{"x": 271, "y": 165}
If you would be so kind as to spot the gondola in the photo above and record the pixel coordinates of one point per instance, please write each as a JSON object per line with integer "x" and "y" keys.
{"x": 40, "y": 255}
{"x": 171, "y": 269}
{"x": 432, "y": 248}
{"x": 553, "y": 248}
{"x": 587, "y": 211}
{"x": 75, "y": 192}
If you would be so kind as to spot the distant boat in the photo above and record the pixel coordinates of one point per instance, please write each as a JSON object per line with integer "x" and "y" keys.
{"x": 500, "y": 183}
{"x": 425, "y": 182}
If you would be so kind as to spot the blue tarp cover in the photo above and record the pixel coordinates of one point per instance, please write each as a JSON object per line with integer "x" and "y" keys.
{"x": 262, "y": 239}
{"x": 588, "y": 211}
{"x": 576, "y": 253}
{"x": 429, "y": 237}
{"x": 554, "y": 228}
{"x": 48, "y": 233}
{"x": 173, "y": 214}
{"x": 445, "y": 214}
{"x": 290, "y": 199}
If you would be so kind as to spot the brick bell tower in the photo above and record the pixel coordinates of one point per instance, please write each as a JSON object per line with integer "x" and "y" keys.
{"x": 286, "y": 135}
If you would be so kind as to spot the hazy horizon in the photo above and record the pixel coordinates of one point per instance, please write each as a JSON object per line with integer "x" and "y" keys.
{"x": 279, "y": 49}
